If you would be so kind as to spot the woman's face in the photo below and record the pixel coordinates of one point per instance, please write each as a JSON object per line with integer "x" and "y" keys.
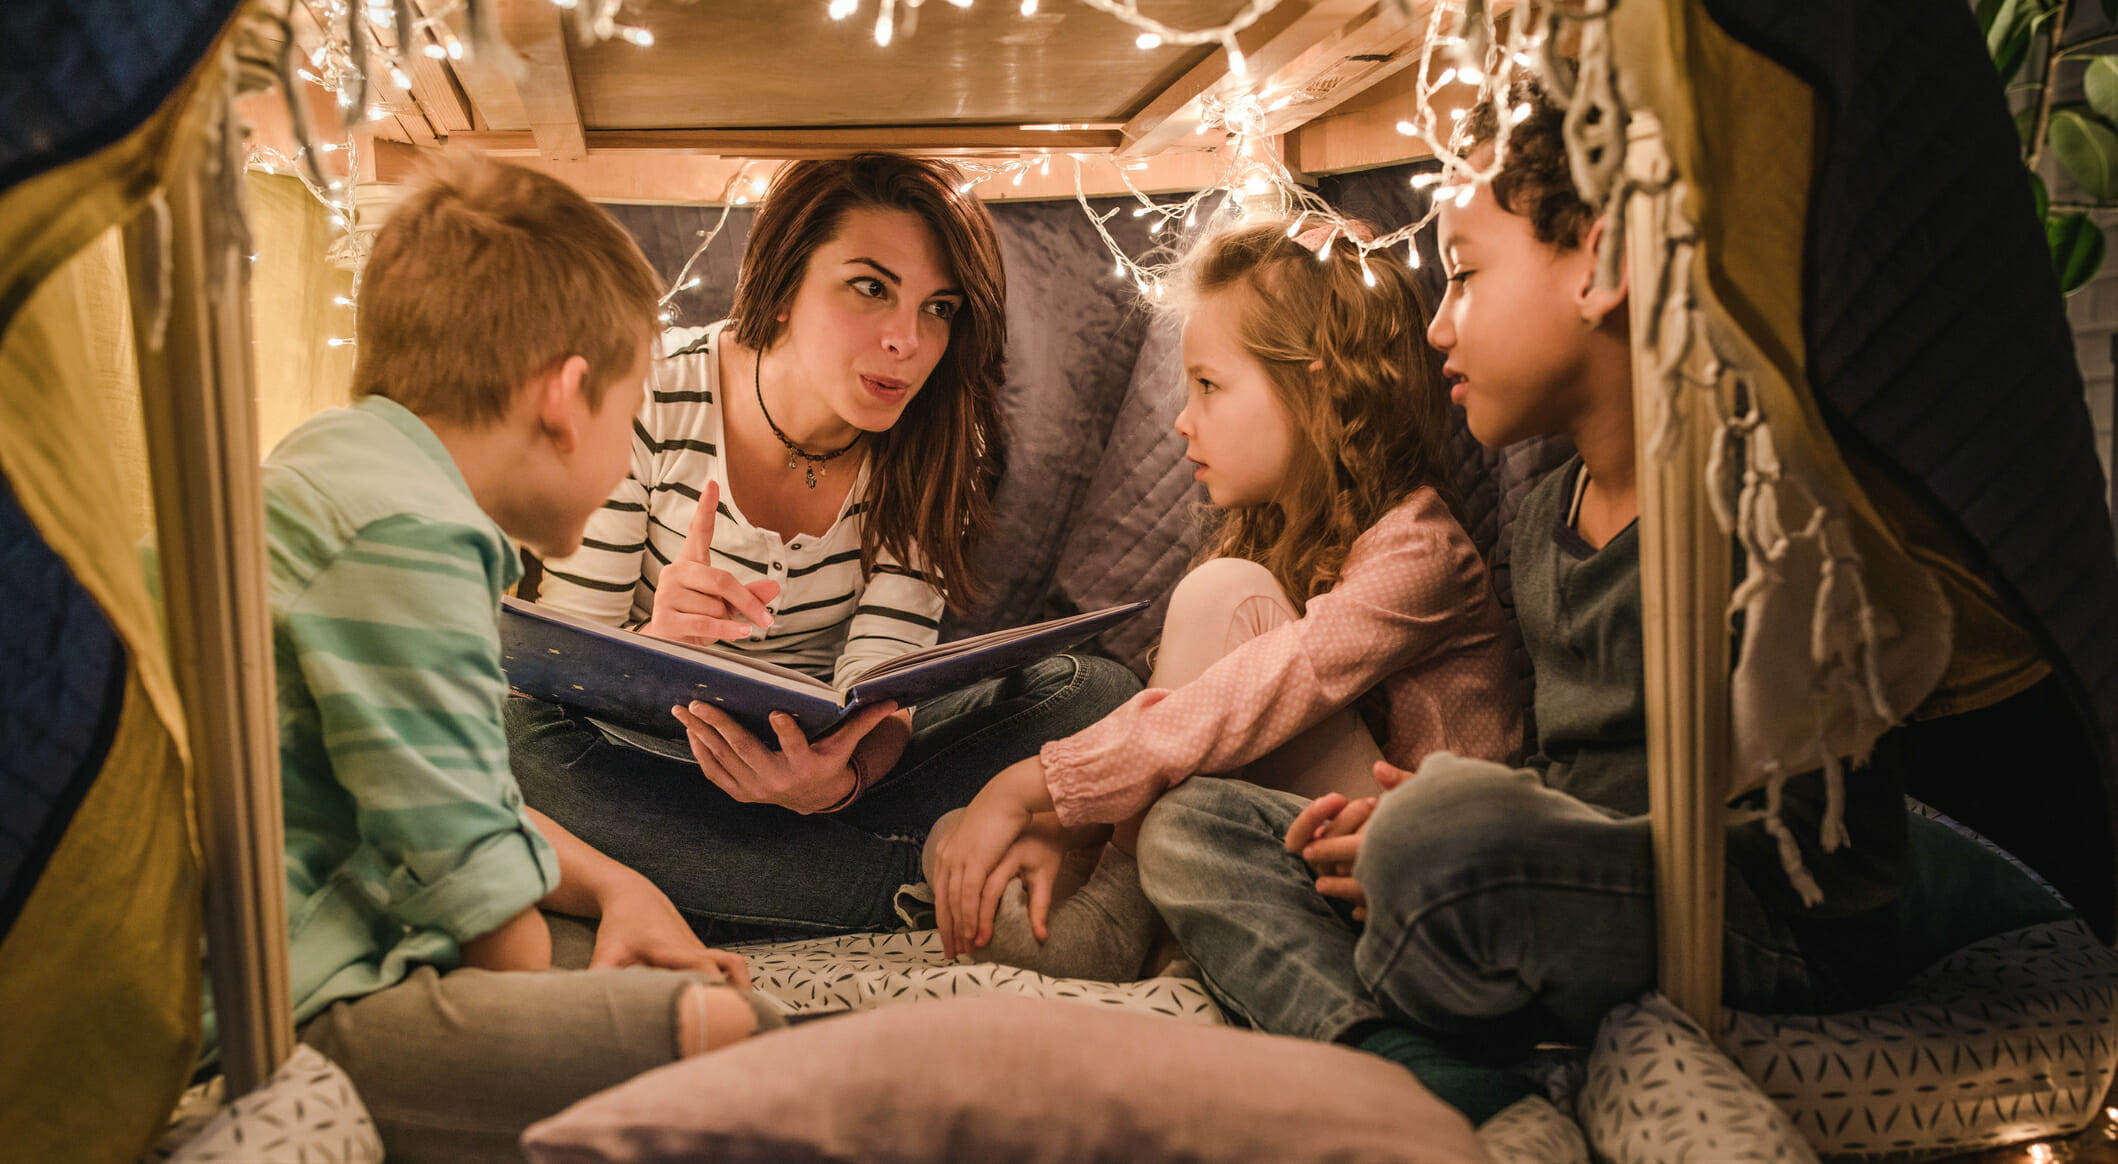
{"x": 871, "y": 318}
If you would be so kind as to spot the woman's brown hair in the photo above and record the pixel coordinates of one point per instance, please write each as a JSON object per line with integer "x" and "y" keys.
{"x": 930, "y": 485}
{"x": 1363, "y": 392}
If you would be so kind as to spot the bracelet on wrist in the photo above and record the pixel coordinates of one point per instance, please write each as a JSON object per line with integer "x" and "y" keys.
{"x": 860, "y": 784}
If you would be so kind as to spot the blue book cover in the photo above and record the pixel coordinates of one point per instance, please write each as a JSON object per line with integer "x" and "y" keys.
{"x": 629, "y": 681}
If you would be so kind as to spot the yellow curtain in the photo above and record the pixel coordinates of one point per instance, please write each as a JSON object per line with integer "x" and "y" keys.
{"x": 294, "y": 313}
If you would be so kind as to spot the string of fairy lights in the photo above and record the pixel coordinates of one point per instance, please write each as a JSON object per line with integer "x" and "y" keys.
{"x": 1466, "y": 53}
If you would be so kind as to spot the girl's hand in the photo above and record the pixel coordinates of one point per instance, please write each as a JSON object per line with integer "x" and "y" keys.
{"x": 801, "y": 776}
{"x": 1037, "y": 855}
{"x": 971, "y": 867}
{"x": 640, "y": 927}
{"x": 698, "y": 602}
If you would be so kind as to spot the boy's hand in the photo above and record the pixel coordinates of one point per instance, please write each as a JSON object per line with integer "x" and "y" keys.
{"x": 1328, "y": 836}
{"x": 640, "y": 927}
{"x": 801, "y": 776}
{"x": 698, "y": 602}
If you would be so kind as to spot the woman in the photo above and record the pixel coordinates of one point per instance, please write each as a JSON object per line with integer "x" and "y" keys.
{"x": 809, "y": 480}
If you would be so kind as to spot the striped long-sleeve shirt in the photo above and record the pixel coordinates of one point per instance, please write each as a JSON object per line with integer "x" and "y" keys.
{"x": 826, "y": 620}
{"x": 405, "y": 831}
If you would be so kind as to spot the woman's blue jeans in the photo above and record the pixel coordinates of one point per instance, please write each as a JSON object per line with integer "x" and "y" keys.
{"x": 747, "y": 871}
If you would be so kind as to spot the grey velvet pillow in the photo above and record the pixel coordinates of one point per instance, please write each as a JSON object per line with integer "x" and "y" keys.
{"x": 1013, "y": 1079}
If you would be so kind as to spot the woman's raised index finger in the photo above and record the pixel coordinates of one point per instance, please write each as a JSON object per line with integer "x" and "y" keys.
{"x": 698, "y": 539}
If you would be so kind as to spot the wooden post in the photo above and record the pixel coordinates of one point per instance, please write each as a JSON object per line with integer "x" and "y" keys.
{"x": 1684, "y": 589}
{"x": 190, "y": 273}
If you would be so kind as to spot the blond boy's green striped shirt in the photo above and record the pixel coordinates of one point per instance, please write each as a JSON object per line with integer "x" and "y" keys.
{"x": 406, "y": 833}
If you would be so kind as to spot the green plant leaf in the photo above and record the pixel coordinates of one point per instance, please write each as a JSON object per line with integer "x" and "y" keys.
{"x": 1988, "y": 9}
{"x": 2008, "y": 36}
{"x": 2077, "y": 250}
{"x": 2041, "y": 196}
{"x": 2100, "y": 84}
{"x": 2088, "y": 151}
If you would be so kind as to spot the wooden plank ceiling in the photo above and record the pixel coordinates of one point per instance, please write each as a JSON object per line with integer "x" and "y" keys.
{"x": 724, "y": 82}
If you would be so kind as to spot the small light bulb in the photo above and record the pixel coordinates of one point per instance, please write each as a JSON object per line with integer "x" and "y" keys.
{"x": 1029, "y": 7}
{"x": 1192, "y": 219}
{"x": 1520, "y": 112}
{"x": 435, "y": 52}
{"x": 342, "y": 301}
{"x": 1139, "y": 210}
{"x": 638, "y": 36}
{"x": 377, "y": 113}
{"x": 1119, "y": 269}
{"x": 1463, "y": 198}
{"x": 693, "y": 282}
{"x": 1236, "y": 64}
{"x": 335, "y": 184}
{"x": 398, "y": 76}
{"x": 1470, "y": 74}
{"x": 1018, "y": 178}
{"x": 840, "y": 9}
{"x": 337, "y": 342}
{"x": 566, "y": 4}
{"x": 1524, "y": 59}
{"x": 1407, "y": 128}
{"x": 1323, "y": 253}
{"x": 1412, "y": 253}
{"x": 965, "y": 187}
{"x": 455, "y": 49}
{"x": 757, "y": 186}
{"x": 338, "y": 220}
{"x": 344, "y": 102}
{"x": 961, "y": 3}
{"x": 1159, "y": 223}
{"x": 1455, "y": 115}
{"x": 1045, "y": 167}
{"x": 329, "y": 147}
{"x": 885, "y": 28}
{"x": 1148, "y": 40}
{"x": 1367, "y": 276}
{"x": 1422, "y": 181}
{"x": 742, "y": 200}
{"x": 1447, "y": 75}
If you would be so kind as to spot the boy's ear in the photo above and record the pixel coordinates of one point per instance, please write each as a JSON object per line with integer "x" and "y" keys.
{"x": 1597, "y": 303}
{"x": 560, "y": 407}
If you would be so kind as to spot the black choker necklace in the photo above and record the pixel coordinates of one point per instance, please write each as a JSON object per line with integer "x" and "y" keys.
{"x": 817, "y": 462}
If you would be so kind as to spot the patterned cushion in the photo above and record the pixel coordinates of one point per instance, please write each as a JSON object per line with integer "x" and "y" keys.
{"x": 306, "y": 1111}
{"x": 1659, "y": 1092}
{"x": 866, "y": 971}
{"x": 1532, "y": 1131}
{"x": 2010, "y": 1038}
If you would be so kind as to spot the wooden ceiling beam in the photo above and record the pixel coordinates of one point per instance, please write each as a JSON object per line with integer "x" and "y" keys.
{"x": 803, "y": 142}
{"x": 1278, "y": 38}
{"x": 544, "y": 77}
{"x": 495, "y": 103}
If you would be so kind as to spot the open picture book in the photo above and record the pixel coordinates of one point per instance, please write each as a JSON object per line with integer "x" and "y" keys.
{"x": 627, "y": 682}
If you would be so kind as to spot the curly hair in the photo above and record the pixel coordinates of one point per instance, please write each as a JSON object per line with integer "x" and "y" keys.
{"x": 1350, "y": 365}
{"x": 1535, "y": 181}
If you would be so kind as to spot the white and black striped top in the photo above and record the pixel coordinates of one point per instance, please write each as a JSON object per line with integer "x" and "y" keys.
{"x": 825, "y": 622}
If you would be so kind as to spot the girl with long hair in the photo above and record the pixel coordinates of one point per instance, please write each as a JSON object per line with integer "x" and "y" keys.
{"x": 810, "y": 480}
{"x": 1340, "y": 615}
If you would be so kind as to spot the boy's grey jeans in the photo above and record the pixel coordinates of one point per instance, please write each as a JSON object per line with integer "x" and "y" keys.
{"x": 1500, "y": 913}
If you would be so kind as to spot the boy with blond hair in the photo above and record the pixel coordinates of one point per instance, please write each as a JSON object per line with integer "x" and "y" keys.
{"x": 504, "y": 336}
{"x": 1474, "y": 910}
